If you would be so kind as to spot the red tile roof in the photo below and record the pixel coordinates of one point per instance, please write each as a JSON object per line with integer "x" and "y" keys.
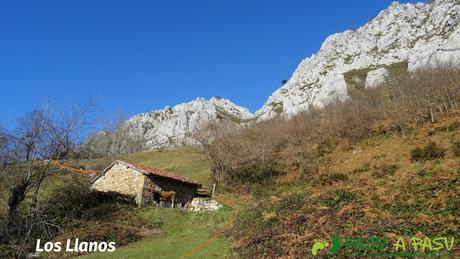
{"x": 157, "y": 172}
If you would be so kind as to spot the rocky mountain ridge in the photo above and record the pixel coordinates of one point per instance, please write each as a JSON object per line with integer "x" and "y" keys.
{"x": 172, "y": 126}
{"x": 401, "y": 38}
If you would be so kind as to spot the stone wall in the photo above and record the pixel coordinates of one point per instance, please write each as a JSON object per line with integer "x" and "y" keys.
{"x": 121, "y": 179}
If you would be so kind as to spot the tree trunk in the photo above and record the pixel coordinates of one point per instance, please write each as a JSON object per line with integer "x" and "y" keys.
{"x": 17, "y": 195}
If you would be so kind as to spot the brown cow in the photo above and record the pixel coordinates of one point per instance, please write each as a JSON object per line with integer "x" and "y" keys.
{"x": 164, "y": 195}
{"x": 168, "y": 195}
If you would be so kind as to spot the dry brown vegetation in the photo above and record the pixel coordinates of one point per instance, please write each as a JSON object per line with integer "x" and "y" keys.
{"x": 257, "y": 151}
{"x": 347, "y": 168}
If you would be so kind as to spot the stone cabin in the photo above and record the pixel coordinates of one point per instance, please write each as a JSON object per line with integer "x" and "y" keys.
{"x": 136, "y": 181}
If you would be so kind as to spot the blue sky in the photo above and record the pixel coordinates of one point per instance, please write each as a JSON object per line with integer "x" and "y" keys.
{"x": 136, "y": 56}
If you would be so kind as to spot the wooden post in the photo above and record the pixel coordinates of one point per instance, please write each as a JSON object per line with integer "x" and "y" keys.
{"x": 213, "y": 189}
{"x": 431, "y": 113}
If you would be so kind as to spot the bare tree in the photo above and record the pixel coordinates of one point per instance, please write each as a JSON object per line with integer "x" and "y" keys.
{"x": 117, "y": 137}
{"x": 3, "y": 147}
{"x": 40, "y": 136}
{"x": 213, "y": 138}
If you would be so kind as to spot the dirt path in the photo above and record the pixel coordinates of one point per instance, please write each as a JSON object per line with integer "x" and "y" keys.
{"x": 220, "y": 232}
{"x": 71, "y": 168}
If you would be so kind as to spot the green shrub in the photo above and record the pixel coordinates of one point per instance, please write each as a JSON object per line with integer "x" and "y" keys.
{"x": 456, "y": 148}
{"x": 254, "y": 174}
{"x": 6, "y": 251}
{"x": 100, "y": 230}
{"x": 68, "y": 208}
{"x": 77, "y": 201}
{"x": 451, "y": 127}
{"x": 426, "y": 172}
{"x": 332, "y": 178}
{"x": 290, "y": 203}
{"x": 325, "y": 147}
{"x": 429, "y": 152}
{"x": 362, "y": 169}
{"x": 454, "y": 126}
{"x": 401, "y": 208}
{"x": 336, "y": 198}
{"x": 262, "y": 191}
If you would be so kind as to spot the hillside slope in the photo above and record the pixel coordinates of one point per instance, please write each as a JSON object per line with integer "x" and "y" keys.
{"x": 139, "y": 232}
{"x": 179, "y": 231}
{"x": 378, "y": 187}
{"x": 187, "y": 161}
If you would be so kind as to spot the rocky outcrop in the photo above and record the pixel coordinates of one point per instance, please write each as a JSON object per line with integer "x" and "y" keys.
{"x": 402, "y": 38}
{"x": 171, "y": 127}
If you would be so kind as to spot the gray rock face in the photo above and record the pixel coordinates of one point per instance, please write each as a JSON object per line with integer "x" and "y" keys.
{"x": 403, "y": 37}
{"x": 171, "y": 127}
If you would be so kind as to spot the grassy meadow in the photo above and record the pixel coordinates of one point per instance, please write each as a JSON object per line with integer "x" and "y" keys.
{"x": 180, "y": 232}
{"x": 150, "y": 231}
{"x": 186, "y": 161}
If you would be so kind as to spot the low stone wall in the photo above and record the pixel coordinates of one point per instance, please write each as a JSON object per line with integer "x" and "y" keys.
{"x": 204, "y": 204}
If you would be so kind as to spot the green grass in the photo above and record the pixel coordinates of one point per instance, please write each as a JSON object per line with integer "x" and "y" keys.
{"x": 50, "y": 184}
{"x": 186, "y": 161}
{"x": 56, "y": 181}
{"x": 181, "y": 232}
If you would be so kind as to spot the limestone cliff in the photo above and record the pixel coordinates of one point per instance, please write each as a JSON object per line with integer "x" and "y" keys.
{"x": 171, "y": 127}
{"x": 403, "y": 37}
